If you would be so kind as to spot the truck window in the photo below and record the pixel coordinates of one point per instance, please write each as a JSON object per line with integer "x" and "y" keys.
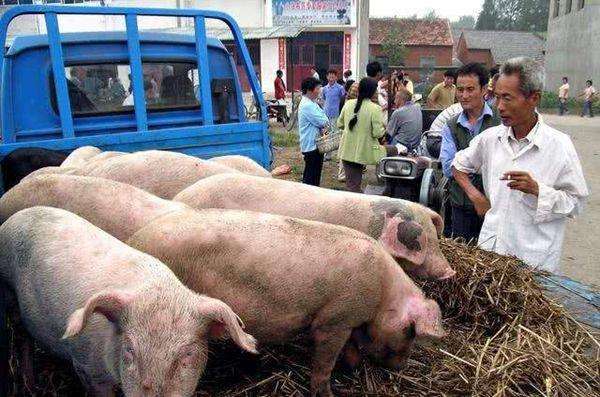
{"x": 96, "y": 89}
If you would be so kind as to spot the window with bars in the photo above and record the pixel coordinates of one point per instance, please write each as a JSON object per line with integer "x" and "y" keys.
{"x": 556, "y": 10}
{"x": 307, "y": 55}
{"x": 336, "y": 56}
{"x": 427, "y": 62}
{"x": 253, "y": 49}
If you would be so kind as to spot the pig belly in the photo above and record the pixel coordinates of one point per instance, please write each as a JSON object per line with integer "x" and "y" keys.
{"x": 269, "y": 324}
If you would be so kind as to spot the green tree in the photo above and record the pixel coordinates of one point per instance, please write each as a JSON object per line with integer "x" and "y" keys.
{"x": 488, "y": 16}
{"x": 525, "y": 15}
{"x": 464, "y": 22}
{"x": 393, "y": 46}
{"x": 431, "y": 14}
{"x": 534, "y": 15}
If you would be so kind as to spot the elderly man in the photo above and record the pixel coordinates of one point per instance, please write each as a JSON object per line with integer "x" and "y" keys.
{"x": 406, "y": 123}
{"x": 531, "y": 173}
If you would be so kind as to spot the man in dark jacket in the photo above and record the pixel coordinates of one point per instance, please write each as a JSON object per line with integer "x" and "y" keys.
{"x": 476, "y": 117}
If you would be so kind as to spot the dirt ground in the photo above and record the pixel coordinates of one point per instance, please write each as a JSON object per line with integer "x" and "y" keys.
{"x": 581, "y": 251}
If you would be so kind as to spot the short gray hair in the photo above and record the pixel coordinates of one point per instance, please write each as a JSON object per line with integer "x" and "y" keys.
{"x": 531, "y": 73}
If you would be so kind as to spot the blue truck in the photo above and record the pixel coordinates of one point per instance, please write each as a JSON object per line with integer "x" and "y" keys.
{"x": 128, "y": 91}
{"x": 125, "y": 91}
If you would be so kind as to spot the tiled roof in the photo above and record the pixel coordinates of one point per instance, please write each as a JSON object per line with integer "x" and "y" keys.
{"x": 435, "y": 32}
{"x": 506, "y": 44}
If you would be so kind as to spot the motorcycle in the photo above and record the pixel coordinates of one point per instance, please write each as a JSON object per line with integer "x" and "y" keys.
{"x": 418, "y": 176}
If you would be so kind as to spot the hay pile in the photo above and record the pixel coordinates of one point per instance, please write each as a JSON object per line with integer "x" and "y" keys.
{"x": 505, "y": 338}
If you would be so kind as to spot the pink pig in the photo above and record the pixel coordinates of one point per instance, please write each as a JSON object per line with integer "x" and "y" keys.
{"x": 407, "y": 230}
{"x": 120, "y": 316}
{"x": 285, "y": 276}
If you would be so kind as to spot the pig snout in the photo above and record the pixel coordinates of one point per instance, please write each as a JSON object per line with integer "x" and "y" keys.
{"x": 437, "y": 267}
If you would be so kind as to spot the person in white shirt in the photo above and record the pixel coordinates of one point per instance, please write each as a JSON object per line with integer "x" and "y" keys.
{"x": 588, "y": 94}
{"x": 442, "y": 119}
{"x": 563, "y": 96}
{"x": 531, "y": 173}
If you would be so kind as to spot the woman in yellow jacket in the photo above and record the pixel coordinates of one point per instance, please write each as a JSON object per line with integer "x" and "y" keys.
{"x": 362, "y": 122}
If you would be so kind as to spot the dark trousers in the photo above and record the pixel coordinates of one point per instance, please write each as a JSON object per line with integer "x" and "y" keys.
{"x": 562, "y": 106}
{"x": 313, "y": 165}
{"x": 587, "y": 108}
{"x": 354, "y": 173}
{"x": 466, "y": 224}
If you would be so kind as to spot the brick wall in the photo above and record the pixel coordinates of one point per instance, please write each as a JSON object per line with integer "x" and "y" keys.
{"x": 481, "y": 56}
{"x": 442, "y": 55}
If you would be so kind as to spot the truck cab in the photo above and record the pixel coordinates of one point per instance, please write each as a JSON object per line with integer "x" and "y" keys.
{"x": 128, "y": 91}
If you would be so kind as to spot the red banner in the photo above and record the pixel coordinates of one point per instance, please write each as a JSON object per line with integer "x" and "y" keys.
{"x": 282, "y": 54}
{"x": 347, "y": 50}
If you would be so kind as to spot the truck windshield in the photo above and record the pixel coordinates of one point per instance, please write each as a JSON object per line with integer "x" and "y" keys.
{"x": 96, "y": 89}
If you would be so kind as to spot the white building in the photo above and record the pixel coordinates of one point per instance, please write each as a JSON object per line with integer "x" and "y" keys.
{"x": 291, "y": 35}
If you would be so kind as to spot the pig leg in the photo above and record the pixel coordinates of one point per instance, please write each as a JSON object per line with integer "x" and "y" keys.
{"x": 328, "y": 343}
{"x": 27, "y": 364}
{"x": 94, "y": 387}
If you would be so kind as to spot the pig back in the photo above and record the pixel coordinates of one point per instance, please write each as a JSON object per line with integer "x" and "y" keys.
{"x": 243, "y": 164}
{"x": 117, "y": 208}
{"x": 158, "y": 172}
{"x": 276, "y": 272}
{"x": 279, "y": 197}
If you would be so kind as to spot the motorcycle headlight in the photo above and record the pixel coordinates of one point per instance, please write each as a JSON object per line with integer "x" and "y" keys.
{"x": 398, "y": 168}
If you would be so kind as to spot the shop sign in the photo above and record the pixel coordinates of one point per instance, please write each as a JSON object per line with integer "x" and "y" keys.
{"x": 312, "y": 12}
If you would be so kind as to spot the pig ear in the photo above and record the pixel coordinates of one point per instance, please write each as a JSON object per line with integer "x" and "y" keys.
{"x": 404, "y": 239}
{"x": 110, "y": 304}
{"x": 222, "y": 319}
{"x": 437, "y": 220}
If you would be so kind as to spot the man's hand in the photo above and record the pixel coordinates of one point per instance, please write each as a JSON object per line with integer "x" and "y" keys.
{"x": 482, "y": 204}
{"x": 522, "y": 181}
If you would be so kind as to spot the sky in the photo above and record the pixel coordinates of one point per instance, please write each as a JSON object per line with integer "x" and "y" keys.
{"x": 450, "y": 9}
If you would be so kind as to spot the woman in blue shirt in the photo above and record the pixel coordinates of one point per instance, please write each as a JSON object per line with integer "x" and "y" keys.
{"x": 311, "y": 121}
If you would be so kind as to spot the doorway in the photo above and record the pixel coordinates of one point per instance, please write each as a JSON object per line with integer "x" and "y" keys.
{"x": 322, "y": 60}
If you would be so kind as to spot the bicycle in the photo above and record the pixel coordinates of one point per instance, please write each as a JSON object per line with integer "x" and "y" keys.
{"x": 274, "y": 111}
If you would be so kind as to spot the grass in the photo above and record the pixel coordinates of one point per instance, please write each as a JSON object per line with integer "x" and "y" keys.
{"x": 283, "y": 138}
{"x": 287, "y": 151}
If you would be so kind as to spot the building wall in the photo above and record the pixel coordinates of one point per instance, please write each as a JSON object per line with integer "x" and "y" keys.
{"x": 413, "y": 65}
{"x": 572, "y": 46}
{"x": 462, "y": 52}
{"x": 269, "y": 63}
{"x": 251, "y": 14}
{"x": 466, "y": 55}
{"x": 481, "y": 56}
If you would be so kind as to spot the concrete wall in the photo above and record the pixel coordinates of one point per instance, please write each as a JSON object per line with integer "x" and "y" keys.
{"x": 269, "y": 63}
{"x": 573, "y": 46}
{"x": 250, "y": 14}
{"x": 360, "y": 51}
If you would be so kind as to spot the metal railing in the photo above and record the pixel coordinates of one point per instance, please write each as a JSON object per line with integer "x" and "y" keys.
{"x": 51, "y": 13}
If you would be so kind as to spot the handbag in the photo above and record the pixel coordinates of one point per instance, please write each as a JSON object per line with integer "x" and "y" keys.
{"x": 329, "y": 140}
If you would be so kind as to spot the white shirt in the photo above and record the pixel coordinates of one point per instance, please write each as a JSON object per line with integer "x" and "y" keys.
{"x": 563, "y": 91}
{"x": 520, "y": 224}
{"x": 588, "y": 93}
{"x": 442, "y": 119}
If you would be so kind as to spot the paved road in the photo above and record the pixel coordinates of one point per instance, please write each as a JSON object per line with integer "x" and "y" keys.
{"x": 581, "y": 250}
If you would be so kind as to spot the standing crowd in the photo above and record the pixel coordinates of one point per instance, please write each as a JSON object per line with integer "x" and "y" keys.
{"x": 513, "y": 179}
